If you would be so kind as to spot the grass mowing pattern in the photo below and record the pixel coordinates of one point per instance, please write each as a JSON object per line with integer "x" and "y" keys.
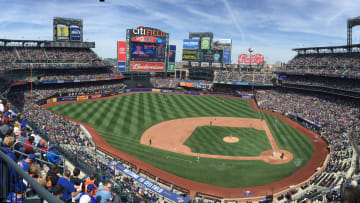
{"x": 122, "y": 121}
{"x": 209, "y": 140}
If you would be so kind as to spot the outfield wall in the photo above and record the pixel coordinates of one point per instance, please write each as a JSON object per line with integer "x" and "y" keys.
{"x": 94, "y": 96}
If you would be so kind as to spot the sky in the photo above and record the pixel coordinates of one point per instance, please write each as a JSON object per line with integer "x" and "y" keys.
{"x": 271, "y": 27}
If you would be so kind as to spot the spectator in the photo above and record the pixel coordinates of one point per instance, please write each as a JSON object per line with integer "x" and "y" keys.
{"x": 24, "y": 163}
{"x": 103, "y": 193}
{"x": 91, "y": 181}
{"x": 53, "y": 156}
{"x": 2, "y": 108}
{"x": 352, "y": 194}
{"x": 7, "y": 144}
{"x": 28, "y": 145}
{"x": 58, "y": 191}
{"x": 88, "y": 197}
{"x": 74, "y": 179}
{"x": 52, "y": 177}
{"x": 14, "y": 183}
{"x": 70, "y": 191}
{"x": 23, "y": 136}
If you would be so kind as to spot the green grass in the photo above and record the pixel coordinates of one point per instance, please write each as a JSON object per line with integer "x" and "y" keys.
{"x": 209, "y": 140}
{"x": 122, "y": 121}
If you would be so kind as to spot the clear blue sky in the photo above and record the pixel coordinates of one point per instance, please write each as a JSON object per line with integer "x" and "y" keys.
{"x": 271, "y": 27}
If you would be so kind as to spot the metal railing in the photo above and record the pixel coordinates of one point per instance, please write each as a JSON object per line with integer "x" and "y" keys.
{"x": 11, "y": 181}
{"x": 42, "y": 152}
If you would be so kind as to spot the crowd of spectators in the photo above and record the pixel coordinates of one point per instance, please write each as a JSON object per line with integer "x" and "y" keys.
{"x": 56, "y": 75}
{"x": 325, "y": 64}
{"x": 235, "y": 76}
{"x": 44, "y": 92}
{"x": 158, "y": 82}
{"x": 343, "y": 84}
{"x": 70, "y": 136}
{"x": 331, "y": 60}
{"x": 339, "y": 120}
{"x": 38, "y": 57}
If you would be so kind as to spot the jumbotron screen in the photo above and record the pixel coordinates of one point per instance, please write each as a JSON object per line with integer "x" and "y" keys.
{"x": 147, "y": 52}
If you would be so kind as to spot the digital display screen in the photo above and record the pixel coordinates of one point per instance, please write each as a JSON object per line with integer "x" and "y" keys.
{"x": 147, "y": 52}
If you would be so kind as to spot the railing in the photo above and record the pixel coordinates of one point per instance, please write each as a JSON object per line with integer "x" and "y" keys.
{"x": 13, "y": 175}
{"x": 37, "y": 150}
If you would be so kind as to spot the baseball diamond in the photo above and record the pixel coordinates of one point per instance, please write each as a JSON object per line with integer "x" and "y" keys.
{"x": 131, "y": 115}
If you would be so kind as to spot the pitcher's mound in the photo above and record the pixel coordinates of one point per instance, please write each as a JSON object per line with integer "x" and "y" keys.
{"x": 229, "y": 139}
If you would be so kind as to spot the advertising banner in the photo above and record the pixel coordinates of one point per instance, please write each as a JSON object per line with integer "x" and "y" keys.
{"x": 150, "y": 185}
{"x": 172, "y": 53}
{"x": 221, "y": 44}
{"x": 121, "y": 48}
{"x": 255, "y": 58}
{"x": 66, "y": 99}
{"x": 147, "y": 66}
{"x": 82, "y": 98}
{"x": 62, "y": 32}
{"x": 171, "y": 68}
{"x": 226, "y": 56}
{"x": 147, "y": 50}
{"x": 95, "y": 96}
{"x": 122, "y": 66}
{"x": 189, "y": 55}
{"x": 75, "y": 33}
{"x": 117, "y": 77}
{"x": 205, "y": 44}
{"x": 191, "y": 44}
{"x": 148, "y": 39}
{"x": 147, "y": 31}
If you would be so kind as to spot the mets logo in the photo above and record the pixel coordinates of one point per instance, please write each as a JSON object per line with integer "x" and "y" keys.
{"x": 113, "y": 163}
{"x": 180, "y": 199}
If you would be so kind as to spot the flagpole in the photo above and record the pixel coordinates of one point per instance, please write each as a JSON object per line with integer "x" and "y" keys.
{"x": 31, "y": 83}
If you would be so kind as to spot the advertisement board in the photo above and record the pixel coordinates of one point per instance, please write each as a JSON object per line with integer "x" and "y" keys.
{"x": 189, "y": 55}
{"x": 149, "y": 184}
{"x": 148, "y": 39}
{"x": 62, "y": 32}
{"x": 226, "y": 56}
{"x": 205, "y": 43}
{"x": 147, "y": 50}
{"x": 82, "y": 98}
{"x": 121, "y": 55}
{"x": 255, "y": 58}
{"x": 122, "y": 66}
{"x": 147, "y": 31}
{"x": 75, "y": 34}
{"x": 172, "y": 53}
{"x": 147, "y": 66}
{"x": 121, "y": 47}
{"x": 191, "y": 44}
{"x": 221, "y": 44}
{"x": 171, "y": 68}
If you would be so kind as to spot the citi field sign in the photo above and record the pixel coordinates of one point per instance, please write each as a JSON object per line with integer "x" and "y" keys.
{"x": 147, "y": 31}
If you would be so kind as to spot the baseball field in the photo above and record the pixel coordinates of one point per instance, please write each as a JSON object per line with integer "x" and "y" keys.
{"x": 122, "y": 122}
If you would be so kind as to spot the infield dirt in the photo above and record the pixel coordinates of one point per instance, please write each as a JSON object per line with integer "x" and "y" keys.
{"x": 171, "y": 135}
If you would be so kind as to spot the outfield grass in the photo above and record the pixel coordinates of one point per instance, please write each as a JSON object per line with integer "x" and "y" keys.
{"x": 122, "y": 121}
{"x": 209, "y": 140}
